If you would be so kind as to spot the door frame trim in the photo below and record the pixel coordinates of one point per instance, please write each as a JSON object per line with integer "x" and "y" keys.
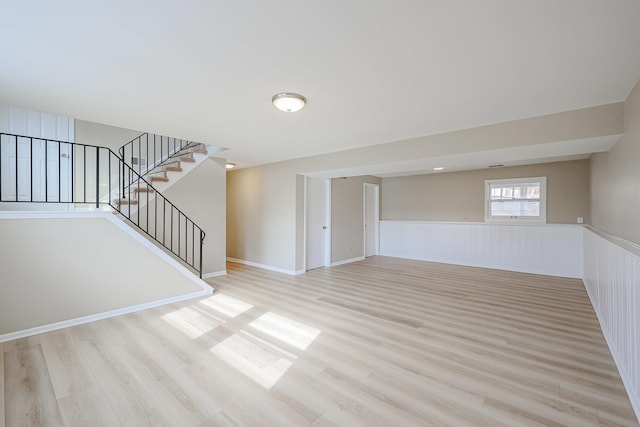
{"x": 376, "y": 218}
{"x": 327, "y": 221}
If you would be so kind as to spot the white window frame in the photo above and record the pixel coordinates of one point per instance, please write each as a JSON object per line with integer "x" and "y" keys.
{"x": 513, "y": 219}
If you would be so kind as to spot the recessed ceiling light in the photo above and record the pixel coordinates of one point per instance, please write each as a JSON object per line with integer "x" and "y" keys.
{"x": 230, "y": 165}
{"x": 439, "y": 168}
{"x": 289, "y": 102}
{"x": 496, "y": 166}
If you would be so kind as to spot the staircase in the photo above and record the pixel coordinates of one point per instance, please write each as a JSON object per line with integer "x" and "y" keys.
{"x": 38, "y": 170}
{"x": 162, "y": 161}
{"x": 151, "y": 154}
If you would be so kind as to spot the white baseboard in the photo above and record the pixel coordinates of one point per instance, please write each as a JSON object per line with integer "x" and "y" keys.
{"x": 347, "y": 261}
{"x": 611, "y": 273}
{"x": 214, "y": 274}
{"x": 206, "y": 289}
{"x": 100, "y": 316}
{"x": 265, "y": 267}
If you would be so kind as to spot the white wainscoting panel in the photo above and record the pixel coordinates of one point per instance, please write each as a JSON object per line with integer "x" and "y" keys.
{"x": 612, "y": 279}
{"x": 551, "y": 249}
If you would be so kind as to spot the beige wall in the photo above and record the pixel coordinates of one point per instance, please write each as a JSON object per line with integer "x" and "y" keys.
{"x": 262, "y": 215}
{"x": 459, "y": 196}
{"x": 263, "y": 208}
{"x": 347, "y": 216}
{"x": 103, "y": 135}
{"x": 91, "y": 133}
{"x": 615, "y": 179}
{"x": 61, "y": 269}
{"x": 594, "y": 122}
{"x": 265, "y": 215}
{"x": 201, "y": 196}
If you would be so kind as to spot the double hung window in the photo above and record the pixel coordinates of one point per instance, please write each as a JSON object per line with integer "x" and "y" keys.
{"x": 521, "y": 199}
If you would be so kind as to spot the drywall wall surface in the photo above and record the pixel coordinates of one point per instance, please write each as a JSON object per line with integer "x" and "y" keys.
{"x": 615, "y": 179}
{"x": 27, "y": 206}
{"x": 103, "y": 135}
{"x": 265, "y": 216}
{"x": 58, "y": 269}
{"x": 201, "y": 195}
{"x": 594, "y": 122}
{"x": 261, "y": 215}
{"x": 262, "y": 209}
{"x": 459, "y": 196}
{"x": 97, "y": 134}
{"x": 347, "y": 217}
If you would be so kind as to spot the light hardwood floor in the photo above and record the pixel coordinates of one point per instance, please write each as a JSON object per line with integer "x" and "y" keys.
{"x": 382, "y": 342}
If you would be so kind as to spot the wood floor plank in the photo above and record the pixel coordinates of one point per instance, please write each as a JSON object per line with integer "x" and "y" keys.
{"x": 67, "y": 367}
{"x": 21, "y": 343}
{"x": 87, "y": 407}
{"x": 128, "y": 396}
{"x": 384, "y": 341}
{"x": 181, "y": 396}
{"x": 220, "y": 419}
{"x": 155, "y": 416}
{"x": 30, "y": 400}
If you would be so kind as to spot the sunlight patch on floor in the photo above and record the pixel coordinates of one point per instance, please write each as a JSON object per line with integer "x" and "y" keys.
{"x": 226, "y": 304}
{"x": 289, "y": 331}
{"x": 191, "y": 322}
{"x": 255, "y": 358}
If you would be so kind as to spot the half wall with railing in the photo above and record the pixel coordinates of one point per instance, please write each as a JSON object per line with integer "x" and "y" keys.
{"x": 39, "y": 170}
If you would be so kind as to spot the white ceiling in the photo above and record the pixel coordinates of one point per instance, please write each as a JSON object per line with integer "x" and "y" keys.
{"x": 373, "y": 71}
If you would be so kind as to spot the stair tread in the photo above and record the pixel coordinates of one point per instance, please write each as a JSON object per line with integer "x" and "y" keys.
{"x": 125, "y": 201}
{"x": 159, "y": 178}
{"x": 144, "y": 189}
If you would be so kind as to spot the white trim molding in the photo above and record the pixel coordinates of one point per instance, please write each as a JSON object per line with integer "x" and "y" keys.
{"x": 612, "y": 280}
{"x": 347, "y": 261}
{"x": 214, "y": 274}
{"x": 206, "y": 289}
{"x": 541, "y": 218}
{"x": 100, "y": 316}
{"x": 266, "y": 267}
{"x": 550, "y": 249}
{"x": 284, "y": 270}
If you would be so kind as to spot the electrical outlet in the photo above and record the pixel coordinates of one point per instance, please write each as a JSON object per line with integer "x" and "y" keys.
{"x": 580, "y": 220}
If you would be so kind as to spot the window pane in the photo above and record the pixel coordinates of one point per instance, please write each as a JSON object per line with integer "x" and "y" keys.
{"x": 515, "y": 208}
{"x": 515, "y": 191}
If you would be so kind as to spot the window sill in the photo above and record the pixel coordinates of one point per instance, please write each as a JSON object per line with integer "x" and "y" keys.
{"x": 537, "y": 221}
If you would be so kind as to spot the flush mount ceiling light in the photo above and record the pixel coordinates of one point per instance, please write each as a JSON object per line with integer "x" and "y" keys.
{"x": 439, "y": 168}
{"x": 288, "y": 102}
{"x": 230, "y": 165}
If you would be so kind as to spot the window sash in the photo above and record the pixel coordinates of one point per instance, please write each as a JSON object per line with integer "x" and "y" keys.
{"x": 516, "y": 199}
{"x": 520, "y": 191}
{"x": 515, "y": 207}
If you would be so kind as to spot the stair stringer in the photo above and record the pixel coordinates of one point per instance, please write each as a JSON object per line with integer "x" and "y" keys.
{"x": 160, "y": 186}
